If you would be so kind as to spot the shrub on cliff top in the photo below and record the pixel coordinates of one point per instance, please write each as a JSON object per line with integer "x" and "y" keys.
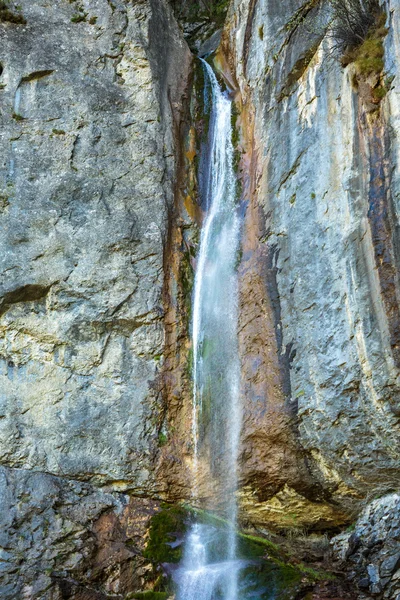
{"x": 368, "y": 55}
{"x": 352, "y": 21}
{"x": 358, "y": 30}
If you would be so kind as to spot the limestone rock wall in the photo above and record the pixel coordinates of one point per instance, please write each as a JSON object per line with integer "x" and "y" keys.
{"x": 91, "y": 105}
{"x": 320, "y": 285}
{"x": 98, "y": 218}
{"x": 371, "y": 552}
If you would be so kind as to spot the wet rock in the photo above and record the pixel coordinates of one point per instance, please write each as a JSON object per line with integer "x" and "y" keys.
{"x": 211, "y": 44}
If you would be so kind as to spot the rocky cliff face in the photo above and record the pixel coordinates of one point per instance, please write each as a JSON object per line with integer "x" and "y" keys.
{"x": 322, "y": 220}
{"x": 91, "y": 106}
{"x": 102, "y": 132}
{"x": 320, "y": 287}
{"x": 371, "y": 551}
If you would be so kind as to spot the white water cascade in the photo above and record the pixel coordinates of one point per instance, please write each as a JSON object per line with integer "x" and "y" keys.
{"x": 210, "y": 567}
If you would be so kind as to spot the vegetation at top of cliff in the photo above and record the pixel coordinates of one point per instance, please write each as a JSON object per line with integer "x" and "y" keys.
{"x": 368, "y": 56}
{"x": 199, "y": 19}
{"x": 352, "y": 22}
{"x": 200, "y": 10}
{"x": 7, "y": 15}
{"x": 358, "y": 30}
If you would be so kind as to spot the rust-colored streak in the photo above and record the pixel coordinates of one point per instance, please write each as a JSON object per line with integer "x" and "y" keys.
{"x": 382, "y": 222}
{"x": 271, "y": 455}
{"x": 173, "y": 459}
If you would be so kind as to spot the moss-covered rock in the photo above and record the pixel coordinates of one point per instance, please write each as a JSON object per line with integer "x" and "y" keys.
{"x": 368, "y": 55}
{"x": 148, "y": 595}
{"x": 267, "y": 569}
{"x": 166, "y": 526}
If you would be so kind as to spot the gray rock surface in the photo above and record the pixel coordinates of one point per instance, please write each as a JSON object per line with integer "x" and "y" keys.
{"x": 91, "y": 102}
{"x": 371, "y": 551}
{"x": 67, "y": 539}
{"x": 93, "y": 96}
{"x": 44, "y": 522}
{"x": 87, "y": 167}
{"x": 329, "y": 234}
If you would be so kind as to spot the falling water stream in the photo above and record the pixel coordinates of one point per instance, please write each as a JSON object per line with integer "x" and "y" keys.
{"x": 210, "y": 567}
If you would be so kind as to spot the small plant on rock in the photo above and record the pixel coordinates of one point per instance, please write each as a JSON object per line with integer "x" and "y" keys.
{"x": 352, "y": 22}
{"x": 78, "y": 18}
{"x": 7, "y": 15}
{"x": 358, "y": 30}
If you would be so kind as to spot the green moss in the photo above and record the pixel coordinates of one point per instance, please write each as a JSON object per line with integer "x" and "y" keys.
{"x": 379, "y": 92}
{"x": 239, "y": 257}
{"x": 164, "y": 528}
{"x": 368, "y": 59}
{"x": 58, "y": 132}
{"x": 162, "y": 438}
{"x": 235, "y": 131}
{"x": 313, "y": 196}
{"x": 268, "y": 574}
{"x": 4, "y": 202}
{"x": 235, "y": 137}
{"x": 149, "y": 595}
{"x": 18, "y": 117}
{"x": 261, "y": 32}
{"x": 189, "y": 364}
{"x": 292, "y": 199}
{"x": 201, "y": 90}
{"x": 93, "y": 20}
{"x": 262, "y": 542}
{"x": 186, "y": 279}
{"x": 78, "y": 17}
{"x": 314, "y": 574}
{"x": 368, "y": 56}
{"x": 248, "y": 545}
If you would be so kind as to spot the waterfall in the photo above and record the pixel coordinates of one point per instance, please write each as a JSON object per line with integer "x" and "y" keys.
{"x": 210, "y": 567}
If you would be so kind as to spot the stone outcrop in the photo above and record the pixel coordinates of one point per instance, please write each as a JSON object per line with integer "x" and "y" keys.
{"x": 320, "y": 274}
{"x": 370, "y": 553}
{"x": 68, "y": 539}
{"x": 99, "y": 214}
{"x": 92, "y": 100}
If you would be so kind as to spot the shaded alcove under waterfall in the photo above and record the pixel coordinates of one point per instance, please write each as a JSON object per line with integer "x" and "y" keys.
{"x": 210, "y": 565}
